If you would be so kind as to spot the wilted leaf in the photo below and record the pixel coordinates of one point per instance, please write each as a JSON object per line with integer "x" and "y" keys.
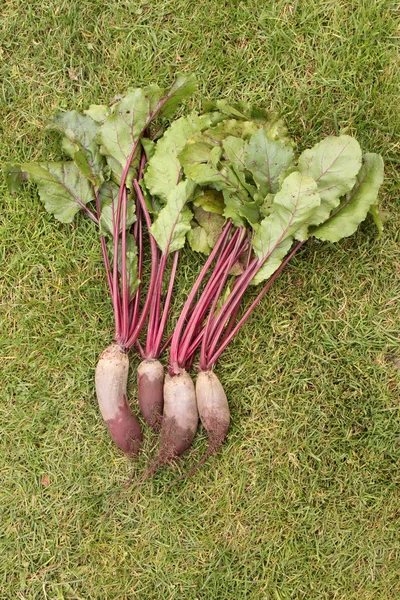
{"x": 183, "y": 87}
{"x": 97, "y": 112}
{"x": 197, "y": 238}
{"x": 374, "y": 212}
{"x": 212, "y": 224}
{"x": 14, "y": 176}
{"x": 211, "y": 201}
{"x": 80, "y": 132}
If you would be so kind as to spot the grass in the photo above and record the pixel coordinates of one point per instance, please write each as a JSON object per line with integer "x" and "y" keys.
{"x": 303, "y": 500}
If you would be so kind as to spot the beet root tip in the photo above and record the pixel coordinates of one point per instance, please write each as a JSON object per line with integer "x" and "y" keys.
{"x": 111, "y": 381}
{"x": 180, "y": 420}
{"x": 150, "y": 376}
{"x": 213, "y": 408}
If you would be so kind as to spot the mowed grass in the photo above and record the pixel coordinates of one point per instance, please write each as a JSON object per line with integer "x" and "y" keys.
{"x": 303, "y": 500}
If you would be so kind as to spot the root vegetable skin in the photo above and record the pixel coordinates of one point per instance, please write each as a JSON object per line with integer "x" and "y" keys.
{"x": 180, "y": 420}
{"x": 111, "y": 380}
{"x": 150, "y": 376}
{"x": 213, "y": 408}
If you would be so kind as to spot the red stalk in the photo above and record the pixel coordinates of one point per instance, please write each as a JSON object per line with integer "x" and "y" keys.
{"x": 125, "y": 287}
{"x": 104, "y": 247}
{"x": 232, "y": 302}
{"x": 183, "y": 316}
{"x": 136, "y": 328}
{"x": 138, "y": 235}
{"x": 207, "y": 295}
{"x": 233, "y": 258}
{"x": 211, "y": 361}
{"x": 154, "y": 315}
{"x": 157, "y": 343}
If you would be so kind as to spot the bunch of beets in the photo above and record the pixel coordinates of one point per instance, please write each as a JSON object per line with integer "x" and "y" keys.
{"x": 228, "y": 183}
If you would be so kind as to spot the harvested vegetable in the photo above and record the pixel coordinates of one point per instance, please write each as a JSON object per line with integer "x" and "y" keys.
{"x": 230, "y": 183}
{"x": 107, "y": 147}
{"x": 272, "y": 202}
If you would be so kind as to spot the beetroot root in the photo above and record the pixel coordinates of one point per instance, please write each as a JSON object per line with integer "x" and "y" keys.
{"x": 150, "y": 375}
{"x": 213, "y": 408}
{"x": 111, "y": 380}
{"x": 180, "y": 420}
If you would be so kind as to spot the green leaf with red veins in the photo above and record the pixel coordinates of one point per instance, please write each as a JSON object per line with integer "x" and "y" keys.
{"x": 333, "y": 163}
{"x": 120, "y": 131}
{"x": 108, "y": 196}
{"x": 174, "y": 220}
{"x": 62, "y": 187}
{"x": 80, "y": 143}
{"x": 292, "y": 210}
{"x": 356, "y": 205}
{"x": 267, "y": 159}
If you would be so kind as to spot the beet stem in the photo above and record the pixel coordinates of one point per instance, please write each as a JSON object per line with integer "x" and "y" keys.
{"x": 206, "y": 297}
{"x": 231, "y": 261}
{"x": 227, "y": 340}
{"x": 136, "y": 328}
{"x": 188, "y": 303}
{"x": 167, "y": 304}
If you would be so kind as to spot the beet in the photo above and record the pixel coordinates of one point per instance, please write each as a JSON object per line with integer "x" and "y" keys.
{"x": 111, "y": 380}
{"x": 150, "y": 391}
{"x": 180, "y": 420}
{"x": 213, "y": 408}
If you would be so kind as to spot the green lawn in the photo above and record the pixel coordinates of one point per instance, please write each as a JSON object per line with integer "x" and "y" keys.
{"x": 303, "y": 501}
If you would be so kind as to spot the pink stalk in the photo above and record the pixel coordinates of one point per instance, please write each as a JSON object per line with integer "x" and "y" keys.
{"x": 104, "y": 248}
{"x": 240, "y": 285}
{"x": 116, "y": 299}
{"x": 233, "y": 301}
{"x": 135, "y": 329}
{"x": 183, "y": 316}
{"x": 140, "y": 349}
{"x": 125, "y": 287}
{"x": 231, "y": 262}
{"x": 157, "y": 343}
{"x": 87, "y": 211}
{"x": 154, "y": 316}
{"x": 168, "y": 340}
{"x": 138, "y": 235}
{"x": 211, "y": 361}
{"x": 207, "y": 295}
{"x": 236, "y": 309}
